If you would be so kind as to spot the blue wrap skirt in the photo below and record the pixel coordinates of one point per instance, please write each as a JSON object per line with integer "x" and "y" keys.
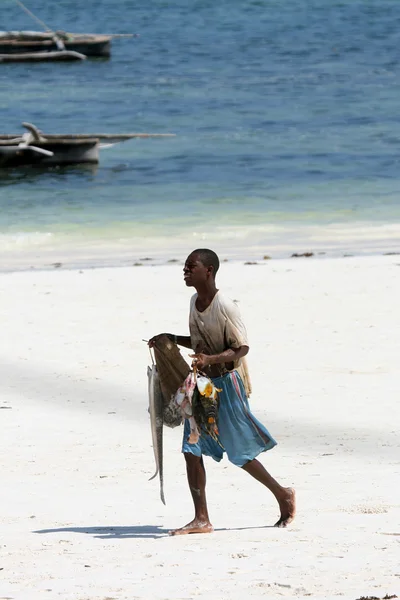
{"x": 241, "y": 435}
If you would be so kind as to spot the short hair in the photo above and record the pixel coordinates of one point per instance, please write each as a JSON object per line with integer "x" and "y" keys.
{"x": 208, "y": 258}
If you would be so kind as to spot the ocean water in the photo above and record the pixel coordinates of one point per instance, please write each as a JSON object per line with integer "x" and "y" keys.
{"x": 287, "y": 125}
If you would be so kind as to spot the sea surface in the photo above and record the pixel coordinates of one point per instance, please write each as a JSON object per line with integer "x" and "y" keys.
{"x": 287, "y": 123}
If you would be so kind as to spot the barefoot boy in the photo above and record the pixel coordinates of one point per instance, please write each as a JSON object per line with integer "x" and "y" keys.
{"x": 219, "y": 340}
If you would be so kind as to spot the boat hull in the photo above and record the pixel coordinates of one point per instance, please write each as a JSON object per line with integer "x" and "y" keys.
{"x": 96, "y": 46}
{"x": 64, "y": 153}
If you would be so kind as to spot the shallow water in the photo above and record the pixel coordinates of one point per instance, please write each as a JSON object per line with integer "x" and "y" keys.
{"x": 286, "y": 120}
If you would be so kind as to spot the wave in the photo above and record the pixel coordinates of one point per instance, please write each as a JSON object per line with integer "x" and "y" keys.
{"x": 41, "y": 250}
{"x": 24, "y": 240}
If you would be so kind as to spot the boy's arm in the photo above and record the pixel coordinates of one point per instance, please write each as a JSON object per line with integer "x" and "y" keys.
{"x": 230, "y": 355}
{"x": 181, "y": 340}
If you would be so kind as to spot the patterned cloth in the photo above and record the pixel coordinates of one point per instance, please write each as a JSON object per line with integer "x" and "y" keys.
{"x": 241, "y": 435}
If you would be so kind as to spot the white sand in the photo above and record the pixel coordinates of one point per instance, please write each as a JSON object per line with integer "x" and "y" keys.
{"x": 79, "y": 518}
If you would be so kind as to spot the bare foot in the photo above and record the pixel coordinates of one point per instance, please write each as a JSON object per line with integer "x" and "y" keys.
{"x": 288, "y": 508}
{"x": 195, "y": 526}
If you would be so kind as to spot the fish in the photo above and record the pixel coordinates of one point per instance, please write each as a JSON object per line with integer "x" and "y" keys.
{"x": 156, "y": 407}
{"x": 205, "y": 405}
{"x": 183, "y": 399}
{"x": 206, "y": 387}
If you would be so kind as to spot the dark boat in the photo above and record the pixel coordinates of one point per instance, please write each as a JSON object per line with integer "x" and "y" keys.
{"x": 49, "y": 153}
{"x": 17, "y": 42}
{"x": 49, "y": 150}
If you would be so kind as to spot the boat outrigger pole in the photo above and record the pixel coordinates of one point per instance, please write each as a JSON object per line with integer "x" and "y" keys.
{"x": 41, "y": 23}
{"x": 57, "y": 39}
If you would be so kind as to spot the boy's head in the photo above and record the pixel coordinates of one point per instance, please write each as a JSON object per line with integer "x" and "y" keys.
{"x": 200, "y": 265}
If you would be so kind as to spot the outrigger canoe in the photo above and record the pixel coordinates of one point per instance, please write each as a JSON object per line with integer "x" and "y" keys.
{"x": 17, "y": 42}
{"x": 36, "y": 148}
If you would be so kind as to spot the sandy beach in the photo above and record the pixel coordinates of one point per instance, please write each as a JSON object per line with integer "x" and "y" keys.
{"x": 79, "y": 518}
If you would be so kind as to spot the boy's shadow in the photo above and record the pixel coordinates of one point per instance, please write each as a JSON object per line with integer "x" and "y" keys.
{"x": 134, "y": 531}
{"x": 105, "y": 533}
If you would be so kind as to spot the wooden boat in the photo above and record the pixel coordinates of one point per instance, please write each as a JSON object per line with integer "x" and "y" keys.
{"x": 16, "y": 42}
{"x": 35, "y": 148}
{"x": 56, "y": 56}
{"x": 49, "y": 153}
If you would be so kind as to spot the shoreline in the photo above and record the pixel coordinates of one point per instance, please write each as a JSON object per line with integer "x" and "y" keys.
{"x": 66, "y": 263}
{"x": 248, "y": 244}
{"x": 150, "y": 262}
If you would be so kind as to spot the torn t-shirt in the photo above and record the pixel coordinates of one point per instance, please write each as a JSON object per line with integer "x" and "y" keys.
{"x": 218, "y": 328}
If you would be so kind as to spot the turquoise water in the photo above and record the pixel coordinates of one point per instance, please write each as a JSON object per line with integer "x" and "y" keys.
{"x": 286, "y": 119}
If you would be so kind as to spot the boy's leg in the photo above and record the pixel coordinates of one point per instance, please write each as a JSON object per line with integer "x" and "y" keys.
{"x": 286, "y": 497}
{"x": 196, "y": 475}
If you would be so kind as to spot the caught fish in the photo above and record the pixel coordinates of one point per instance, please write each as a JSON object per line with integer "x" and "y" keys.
{"x": 206, "y": 387}
{"x": 156, "y": 408}
{"x": 183, "y": 399}
{"x": 205, "y": 405}
{"x": 197, "y": 398}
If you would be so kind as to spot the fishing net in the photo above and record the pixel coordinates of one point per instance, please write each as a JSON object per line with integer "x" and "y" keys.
{"x": 172, "y": 370}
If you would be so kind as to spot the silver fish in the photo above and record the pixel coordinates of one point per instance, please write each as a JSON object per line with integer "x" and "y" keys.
{"x": 156, "y": 407}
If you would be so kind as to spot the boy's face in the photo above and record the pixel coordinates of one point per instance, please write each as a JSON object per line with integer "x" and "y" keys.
{"x": 194, "y": 272}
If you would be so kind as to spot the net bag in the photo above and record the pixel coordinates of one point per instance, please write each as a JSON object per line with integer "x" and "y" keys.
{"x": 172, "y": 370}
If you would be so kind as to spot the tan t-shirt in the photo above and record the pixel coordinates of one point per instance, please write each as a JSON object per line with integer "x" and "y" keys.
{"x": 218, "y": 328}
